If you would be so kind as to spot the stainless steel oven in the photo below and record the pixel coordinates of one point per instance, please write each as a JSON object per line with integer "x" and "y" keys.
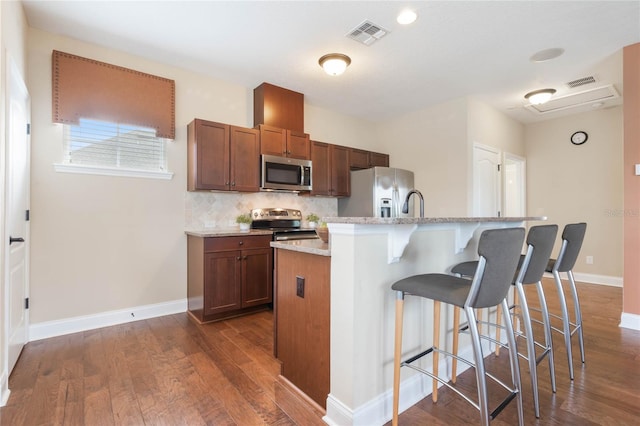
{"x": 286, "y": 224}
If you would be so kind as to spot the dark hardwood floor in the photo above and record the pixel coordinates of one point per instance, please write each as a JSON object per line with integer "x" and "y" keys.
{"x": 170, "y": 371}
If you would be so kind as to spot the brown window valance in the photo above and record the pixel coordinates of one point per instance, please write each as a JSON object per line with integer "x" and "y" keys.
{"x": 85, "y": 88}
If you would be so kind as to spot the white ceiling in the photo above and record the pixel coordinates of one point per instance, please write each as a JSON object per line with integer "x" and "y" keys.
{"x": 454, "y": 49}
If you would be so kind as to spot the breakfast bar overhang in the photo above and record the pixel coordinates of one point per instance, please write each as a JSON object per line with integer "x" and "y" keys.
{"x": 367, "y": 256}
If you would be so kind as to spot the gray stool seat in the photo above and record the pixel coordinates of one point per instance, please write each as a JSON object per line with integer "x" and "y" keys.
{"x": 442, "y": 287}
{"x": 499, "y": 251}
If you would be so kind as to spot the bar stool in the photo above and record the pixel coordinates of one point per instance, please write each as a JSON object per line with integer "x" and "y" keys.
{"x": 531, "y": 268}
{"x": 499, "y": 251}
{"x": 572, "y": 238}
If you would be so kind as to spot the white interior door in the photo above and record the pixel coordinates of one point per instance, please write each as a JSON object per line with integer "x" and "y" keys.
{"x": 486, "y": 181}
{"x": 16, "y": 219}
{"x": 514, "y": 171}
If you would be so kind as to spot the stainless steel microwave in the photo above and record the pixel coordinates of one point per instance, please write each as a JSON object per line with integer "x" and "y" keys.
{"x": 281, "y": 173}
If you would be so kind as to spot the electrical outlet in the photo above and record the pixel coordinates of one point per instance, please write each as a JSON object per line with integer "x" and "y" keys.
{"x": 589, "y": 260}
{"x": 300, "y": 287}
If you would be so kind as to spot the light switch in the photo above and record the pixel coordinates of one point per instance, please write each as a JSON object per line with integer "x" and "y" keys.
{"x": 637, "y": 169}
{"x": 300, "y": 287}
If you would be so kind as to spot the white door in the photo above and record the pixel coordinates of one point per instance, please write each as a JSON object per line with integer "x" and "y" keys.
{"x": 16, "y": 220}
{"x": 486, "y": 181}
{"x": 514, "y": 172}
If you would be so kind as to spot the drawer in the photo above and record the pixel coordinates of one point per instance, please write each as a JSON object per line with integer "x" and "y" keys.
{"x": 236, "y": 243}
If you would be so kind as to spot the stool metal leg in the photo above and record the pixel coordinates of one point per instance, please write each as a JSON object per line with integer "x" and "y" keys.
{"x": 513, "y": 356}
{"x": 531, "y": 348}
{"x": 576, "y": 307}
{"x": 397, "y": 354}
{"x": 547, "y": 334}
{"x": 436, "y": 343}
{"x": 479, "y": 365}
{"x": 566, "y": 329}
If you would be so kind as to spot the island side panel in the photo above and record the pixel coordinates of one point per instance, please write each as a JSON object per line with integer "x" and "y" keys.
{"x": 302, "y": 323}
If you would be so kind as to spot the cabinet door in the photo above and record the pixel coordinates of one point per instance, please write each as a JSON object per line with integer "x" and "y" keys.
{"x": 273, "y": 141}
{"x": 257, "y": 277}
{"x": 340, "y": 174}
{"x": 298, "y": 145}
{"x": 358, "y": 159}
{"x": 320, "y": 172}
{"x": 378, "y": 159}
{"x": 208, "y": 155}
{"x": 244, "y": 159}
{"x": 222, "y": 282}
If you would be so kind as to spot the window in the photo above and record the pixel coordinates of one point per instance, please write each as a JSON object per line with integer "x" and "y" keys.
{"x": 99, "y": 147}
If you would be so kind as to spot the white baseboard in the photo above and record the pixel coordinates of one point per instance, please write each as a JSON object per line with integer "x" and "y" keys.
{"x": 48, "y": 329}
{"x": 598, "y": 279}
{"x": 631, "y": 321}
{"x": 378, "y": 410}
{"x": 4, "y": 389}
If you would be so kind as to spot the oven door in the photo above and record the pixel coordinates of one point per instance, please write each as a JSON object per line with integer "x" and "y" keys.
{"x": 280, "y": 173}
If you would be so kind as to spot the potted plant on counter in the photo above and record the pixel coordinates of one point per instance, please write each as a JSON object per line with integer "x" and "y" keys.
{"x": 313, "y": 219}
{"x": 244, "y": 220}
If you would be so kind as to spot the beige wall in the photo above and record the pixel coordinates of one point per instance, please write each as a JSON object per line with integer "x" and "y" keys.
{"x": 106, "y": 243}
{"x": 432, "y": 143}
{"x": 13, "y": 36}
{"x": 569, "y": 183}
{"x": 437, "y": 144}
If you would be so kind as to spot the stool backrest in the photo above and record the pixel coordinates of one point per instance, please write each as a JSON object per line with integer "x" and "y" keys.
{"x": 499, "y": 251}
{"x": 572, "y": 238}
{"x": 540, "y": 241}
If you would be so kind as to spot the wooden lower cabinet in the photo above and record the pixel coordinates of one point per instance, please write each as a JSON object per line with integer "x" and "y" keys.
{"x": 302, "y": 321}
{"x": 228, "y": 276}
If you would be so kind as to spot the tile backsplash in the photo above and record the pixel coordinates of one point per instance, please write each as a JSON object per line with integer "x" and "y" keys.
{"x": 219, "y": 209}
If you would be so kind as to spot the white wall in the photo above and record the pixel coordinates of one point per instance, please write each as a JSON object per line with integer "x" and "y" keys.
{"x": 569, "y": 183}
{"x": 13, "y": 35}
{"x": 108, "y": 243}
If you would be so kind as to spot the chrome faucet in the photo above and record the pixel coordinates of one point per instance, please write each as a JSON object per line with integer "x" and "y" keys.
{"x": 405, "y": 206}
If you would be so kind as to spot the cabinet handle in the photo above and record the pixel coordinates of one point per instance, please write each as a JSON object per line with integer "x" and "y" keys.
{"x": 288, "y": 152}
{"x": 238, "y": 258}
{"x": 233, "y": 184}
{"x": 244, "y": 258}
{"x": 241, "y": 243}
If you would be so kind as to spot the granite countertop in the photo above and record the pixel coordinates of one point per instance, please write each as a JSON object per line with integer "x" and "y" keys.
{"x": 313, "y": 246}
{"x": 225, "y": 232}
{"x": 425, "y": 220}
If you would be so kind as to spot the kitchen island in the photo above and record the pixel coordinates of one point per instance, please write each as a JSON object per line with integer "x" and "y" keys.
{"x": 367, "y": 256}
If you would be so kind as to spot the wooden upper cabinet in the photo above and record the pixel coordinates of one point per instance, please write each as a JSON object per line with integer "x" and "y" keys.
{"x": 360, "y": 159}
{"x": 284, "y": 143}
{"x": 321, "y": 169}
{"x": 330, "y": 172}
{"x": 244, "y": 162}
{"x": 222, "y": 157}
{"x": 278, "y": 107}
{"x": 377, "y": 159}
{"x": 298, "y": 145}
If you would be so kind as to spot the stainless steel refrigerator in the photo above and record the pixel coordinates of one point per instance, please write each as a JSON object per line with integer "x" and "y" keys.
{"x": 378, "y": 192}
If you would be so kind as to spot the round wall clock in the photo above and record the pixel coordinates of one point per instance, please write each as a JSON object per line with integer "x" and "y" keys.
{"x": 579, "y": 137}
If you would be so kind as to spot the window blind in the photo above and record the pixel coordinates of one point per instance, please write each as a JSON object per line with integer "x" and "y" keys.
{"x": 86, "y": 88}
{"x": 104, "y": 144}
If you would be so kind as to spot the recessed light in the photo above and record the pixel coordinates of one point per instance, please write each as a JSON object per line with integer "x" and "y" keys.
{"x": 546, "y": 55}
{"x": 407, "y": 17}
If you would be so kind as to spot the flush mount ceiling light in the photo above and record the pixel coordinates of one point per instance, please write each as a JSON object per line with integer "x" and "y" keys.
{"x": 334, "y": 63}
{"x": 541, "y": 96}
{"x": 407, "y": 17}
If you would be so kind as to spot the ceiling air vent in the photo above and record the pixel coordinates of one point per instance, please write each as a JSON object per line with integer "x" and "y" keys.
{"x": 367, "y": 33}
{"x": 581, "y": 82}
{"x": 573, "y": 100}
